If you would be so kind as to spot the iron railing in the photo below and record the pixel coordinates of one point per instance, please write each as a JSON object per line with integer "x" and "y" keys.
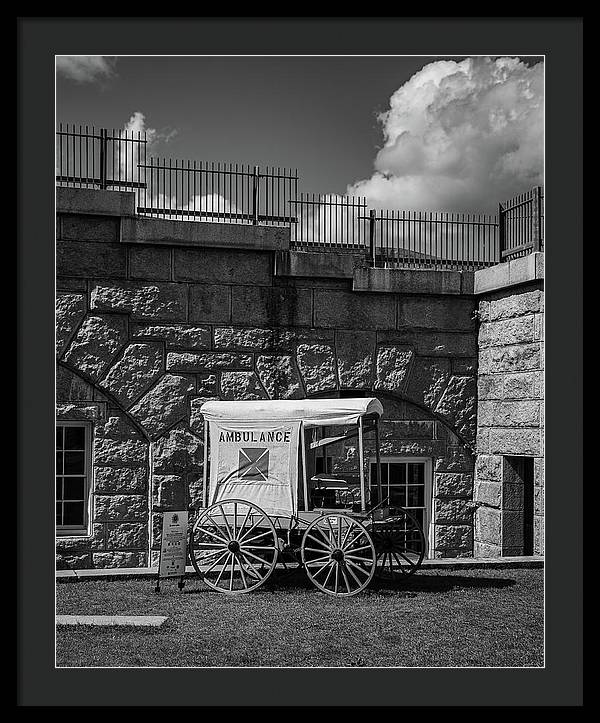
{"x": 521, "y": 224}
{"x": 324, "y": 222}
{"x": 89, "y": 157}
{"x": 193, "y": 191}
{"x": 226, "y": 192}
{"x": 436, "y": 240}
{"x": 198, "y": 191}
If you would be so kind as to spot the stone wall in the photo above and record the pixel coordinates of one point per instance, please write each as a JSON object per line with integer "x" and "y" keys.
{"x": 149, "y": 330}
{"x": 510, "y": 410}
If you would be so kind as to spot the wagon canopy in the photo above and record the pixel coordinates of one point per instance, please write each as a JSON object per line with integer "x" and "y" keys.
{"x": 313, "y": 412}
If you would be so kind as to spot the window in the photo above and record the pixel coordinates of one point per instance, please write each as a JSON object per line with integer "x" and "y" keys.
{"x": 407, "y": 483}
{"x": 72, "y": 477}
{"x": 323, "y": 464}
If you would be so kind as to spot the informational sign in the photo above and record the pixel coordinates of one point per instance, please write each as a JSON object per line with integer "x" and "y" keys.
{"x": 255, "y": 462}
{"x": 173, "y": 545}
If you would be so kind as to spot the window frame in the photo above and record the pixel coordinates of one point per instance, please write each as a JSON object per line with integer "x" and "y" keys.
{"x": 85, "y": 529}
{"x": 428, "y": 508}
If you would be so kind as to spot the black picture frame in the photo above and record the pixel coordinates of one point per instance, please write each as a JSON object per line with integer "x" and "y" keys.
{"x": 560, "y": 682}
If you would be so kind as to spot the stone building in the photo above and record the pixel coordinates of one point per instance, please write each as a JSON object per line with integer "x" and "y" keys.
{"x": 155, "y": 316}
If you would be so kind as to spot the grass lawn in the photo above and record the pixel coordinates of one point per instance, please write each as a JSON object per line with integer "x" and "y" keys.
{"x": 438, "y": 618}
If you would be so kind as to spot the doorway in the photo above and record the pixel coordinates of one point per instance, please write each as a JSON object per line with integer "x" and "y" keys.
{"x": 517, "y": 506}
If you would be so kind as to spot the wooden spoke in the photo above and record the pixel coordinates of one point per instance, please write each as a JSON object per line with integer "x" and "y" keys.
{"x": 355, "y": 537}
{"x": 229, "y": 533}
{"x": 245, "y": 541}
{"x": 210, "y": 545}
{"x": 251, "y": 554}
{"x": 316, "y": 549}
{"x": 254, "y": 526}
{"x": 331, "y": 567}
{"x": 328, "y": 520}
{"x": 225, "y": 551}
{"x": 231, "y": 573}
{"x": 349, "y": 569}
{"x": 343, "y": 569}
{"x": 318, "y": 560}
{"x": 357, "y": 567}
{"x": 328, "y": 566}
{"x": 410, "y": 562}
{"x": 222, "y": 570}
{"x": 242, "y": 573}
{"x": 325, "y": 544}
{"x": 251, "y": 571}
{"x": 243, "y": 525}
{"x": 359, "y": 549}
{"x": 399, "y": 566}
{"x": 222, "y": 539}
{"x": 216, "y": 562}
{"x": 345, "y": 538}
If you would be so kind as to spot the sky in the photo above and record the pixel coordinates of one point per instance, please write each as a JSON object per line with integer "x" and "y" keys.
{"x": 414, "y": 133}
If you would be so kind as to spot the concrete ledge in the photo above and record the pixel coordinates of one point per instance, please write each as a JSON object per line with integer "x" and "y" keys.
{"x": 510, "y": 273}
{"x": 485, "y": 563}
{"x": 141, "y": 621}
{"x": 114, "y": 573}
{"x": 413, "y": 281}
{"x": 90, "y": 201}
{"x": 450, "y": 563}
{"x": 317, "y": 265}
{"x": 163, "y": 231}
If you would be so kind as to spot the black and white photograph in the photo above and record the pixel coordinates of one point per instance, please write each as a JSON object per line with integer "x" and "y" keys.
{"x": 299, "y": 378}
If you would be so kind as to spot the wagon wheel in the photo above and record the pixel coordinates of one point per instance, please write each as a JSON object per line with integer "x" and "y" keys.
{"x": 233, "y": 546}
{"x": 338, "y": 554}
{"x": 400, "y": 545}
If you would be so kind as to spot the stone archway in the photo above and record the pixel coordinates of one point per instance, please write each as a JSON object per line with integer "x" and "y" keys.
{"x": 119, "y": 490}
{"x": 411, "y": 430}
{"x": 138, "y": 472}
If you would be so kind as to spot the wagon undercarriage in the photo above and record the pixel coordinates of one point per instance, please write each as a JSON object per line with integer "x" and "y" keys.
{"x": 235, "y": 547}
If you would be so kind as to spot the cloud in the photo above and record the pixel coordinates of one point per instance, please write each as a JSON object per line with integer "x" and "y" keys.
{"x": 129, "y": 152}
{"x": 460, "y": 136}
{"x": 137, "y": 124}
{"x": 85, "y": 68}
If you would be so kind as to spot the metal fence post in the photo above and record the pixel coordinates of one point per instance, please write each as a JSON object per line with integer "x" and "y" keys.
{"x": 537, "y": 217}
{"x": 501, "y": 233}
{"x": 255, "y": 179}
{"x": 372, "y": 254}
{"x": 103, "y": 156}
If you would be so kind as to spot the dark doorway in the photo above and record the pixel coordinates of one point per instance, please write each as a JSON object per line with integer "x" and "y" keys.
{"x": 517, "y": 506}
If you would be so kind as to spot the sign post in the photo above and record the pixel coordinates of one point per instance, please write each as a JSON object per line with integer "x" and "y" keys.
{"x": 173, "y": 548}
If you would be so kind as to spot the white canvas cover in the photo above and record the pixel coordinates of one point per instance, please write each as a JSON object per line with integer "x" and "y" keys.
{"x": 312, "y": 412}
{"x": 256, "y": 462}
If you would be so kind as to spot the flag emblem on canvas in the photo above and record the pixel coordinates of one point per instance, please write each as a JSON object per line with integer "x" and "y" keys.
{"x": 254, "y": 464}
